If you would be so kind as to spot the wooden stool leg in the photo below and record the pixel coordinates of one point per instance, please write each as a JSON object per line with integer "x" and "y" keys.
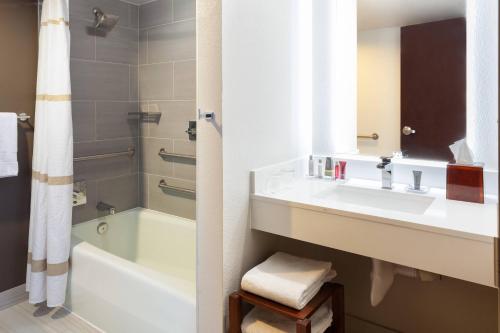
{"x": 303, "y": 326}
{"x": 235, "y": 316}
{"x": 338, "y": 308}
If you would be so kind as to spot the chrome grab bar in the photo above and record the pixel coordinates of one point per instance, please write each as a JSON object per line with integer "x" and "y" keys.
{"x": 374, "y": 136}
{"x": 130, "y": 153}
{"x": 163, "y": 185}
{"x": 164, "y": 153}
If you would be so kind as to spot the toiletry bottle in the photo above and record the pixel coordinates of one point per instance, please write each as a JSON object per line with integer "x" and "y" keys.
{"x": 320, "y": 168}
{"x": 328, "y": 167}
{"x": 343, "y": 165}
{"x": 337, "y": 170}
{"x": 311, "y": 166}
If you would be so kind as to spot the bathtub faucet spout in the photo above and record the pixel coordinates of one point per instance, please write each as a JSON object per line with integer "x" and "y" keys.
{"x": 102, "y": 206}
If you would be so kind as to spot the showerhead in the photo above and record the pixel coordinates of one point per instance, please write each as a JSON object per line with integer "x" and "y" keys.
{"x": 104, "y": 21}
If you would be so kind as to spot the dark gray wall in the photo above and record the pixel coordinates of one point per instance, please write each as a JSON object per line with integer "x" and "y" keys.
{"x": 18, "y": 33}
{"x": 104, "y": 71}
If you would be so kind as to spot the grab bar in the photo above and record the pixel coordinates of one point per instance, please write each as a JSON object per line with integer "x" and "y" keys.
{"x": 130, "y": 153}
{"x": 164, "y": 153}
{"x": 374, "y": 136}
{"x": 163, "y": 184}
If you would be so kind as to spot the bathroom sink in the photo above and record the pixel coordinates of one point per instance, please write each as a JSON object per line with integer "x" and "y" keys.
{"x": 377, "y": 198}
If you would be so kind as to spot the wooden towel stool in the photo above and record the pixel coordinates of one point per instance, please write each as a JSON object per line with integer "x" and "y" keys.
{"x": 333, "y": 291}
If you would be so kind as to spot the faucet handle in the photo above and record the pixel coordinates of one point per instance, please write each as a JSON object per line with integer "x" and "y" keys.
{"x": 386, "y": 159}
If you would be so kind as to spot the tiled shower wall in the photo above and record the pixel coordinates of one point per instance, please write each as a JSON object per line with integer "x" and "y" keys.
{"x": 167, "y": 84}
{"x": 146, "y": 63}
{"x": 104, "y": 89}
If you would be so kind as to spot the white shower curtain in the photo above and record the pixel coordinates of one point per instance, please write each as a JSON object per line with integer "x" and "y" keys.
{"x": 52, "y": 177}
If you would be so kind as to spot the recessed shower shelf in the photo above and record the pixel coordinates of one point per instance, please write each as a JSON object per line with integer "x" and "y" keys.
{"x": 147, "y": 116}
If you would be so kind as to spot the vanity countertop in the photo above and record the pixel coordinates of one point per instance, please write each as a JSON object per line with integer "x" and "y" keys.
{"x": 428, "y": 212}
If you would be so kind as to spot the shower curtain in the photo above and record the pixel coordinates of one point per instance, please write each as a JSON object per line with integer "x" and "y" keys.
{"x": 52, "y": 175}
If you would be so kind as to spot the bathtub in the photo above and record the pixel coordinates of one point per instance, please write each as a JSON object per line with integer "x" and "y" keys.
{"x": 139, "y": 276}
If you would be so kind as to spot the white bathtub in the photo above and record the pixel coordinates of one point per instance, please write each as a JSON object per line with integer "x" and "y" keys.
{"x": 137, "y": 277}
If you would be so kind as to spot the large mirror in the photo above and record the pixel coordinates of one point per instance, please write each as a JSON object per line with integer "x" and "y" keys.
{"x": 411, "y": 77}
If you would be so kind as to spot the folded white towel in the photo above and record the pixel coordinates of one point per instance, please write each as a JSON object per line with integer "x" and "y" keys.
{"x": 8, "y": 145}
{"x": 262, "y": 321}
{"x": 287, "y": 279}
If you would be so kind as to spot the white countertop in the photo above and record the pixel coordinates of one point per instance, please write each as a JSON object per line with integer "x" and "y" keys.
{"x": 454, "y": 218}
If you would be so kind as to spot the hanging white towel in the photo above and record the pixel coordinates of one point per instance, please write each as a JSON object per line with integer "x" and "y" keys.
{"x": 8, "y": 145}
{"x": 289, "y": 280}
{"x": 262, "y": 321}
{"x": 52, "y": 175}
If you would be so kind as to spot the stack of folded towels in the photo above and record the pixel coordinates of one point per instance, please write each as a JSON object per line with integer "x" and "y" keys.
{"x": 291, "y": 281}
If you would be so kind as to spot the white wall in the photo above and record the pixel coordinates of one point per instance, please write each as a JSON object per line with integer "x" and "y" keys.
{"x": 210, "y": 310}
{"x": 379, "y": 90}
{"x": 266, "y": 115}
{"x": 482, "y": 80}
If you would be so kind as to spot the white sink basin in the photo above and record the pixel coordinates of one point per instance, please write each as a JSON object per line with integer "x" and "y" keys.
{"x": 377, "y": 198}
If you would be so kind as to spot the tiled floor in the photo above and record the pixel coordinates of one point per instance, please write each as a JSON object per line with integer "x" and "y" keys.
{"x": 27, "y": 318}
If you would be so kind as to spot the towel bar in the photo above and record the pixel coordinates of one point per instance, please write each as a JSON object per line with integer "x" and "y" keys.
{"x": 130, "y": 153}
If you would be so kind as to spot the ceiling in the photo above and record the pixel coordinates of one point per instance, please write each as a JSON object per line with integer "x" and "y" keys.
{"x": 375, "y": 14}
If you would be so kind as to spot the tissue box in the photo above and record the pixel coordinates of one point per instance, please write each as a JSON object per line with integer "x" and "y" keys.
{"x": 465, "y": 183}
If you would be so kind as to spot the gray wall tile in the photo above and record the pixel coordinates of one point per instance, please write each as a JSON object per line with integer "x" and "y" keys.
{"x": 134, "y": 83}
{"x": 143, "y": 47}
{"x": 83, "y": 40}
{"x": 184, "y": 9}
{"x": 83, "y": 121}
{"x": 185, "y": 169}
{"x": 185, "y": 147}
{"x": 113, "y": 120}
{"x": 99, "y": 81}
{"x": 174, "y": 120}
{"x": 176, "y": 41}
{"x": 185, "y": 80}
{"x": 120, "y": 192}
{"x": 88, "y": 211}
{"x": 134, "y": 16}
{"x": 171, "y": 202}
{"x": 155, "y": 13}
{"x": 119, "y": 45}
{"x": 155, "y": 82}
{"x": 143, "y": 190}
{"x": 153, "y": 163}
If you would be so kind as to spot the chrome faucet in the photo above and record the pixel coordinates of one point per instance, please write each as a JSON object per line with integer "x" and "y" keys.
{"x": 386, "y": 167}
{"x": 102, "y": 206}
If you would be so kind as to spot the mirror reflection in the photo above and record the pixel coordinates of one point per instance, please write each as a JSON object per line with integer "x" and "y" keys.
{"x": 411, "y": 77}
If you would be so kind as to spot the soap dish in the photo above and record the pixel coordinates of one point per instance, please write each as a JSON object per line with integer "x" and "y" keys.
{"x": 422, "y": 190}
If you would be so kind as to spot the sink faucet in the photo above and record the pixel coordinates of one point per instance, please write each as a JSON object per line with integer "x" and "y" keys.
{"x": 386, "y": 167}
{"x": 102, "y": 206}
